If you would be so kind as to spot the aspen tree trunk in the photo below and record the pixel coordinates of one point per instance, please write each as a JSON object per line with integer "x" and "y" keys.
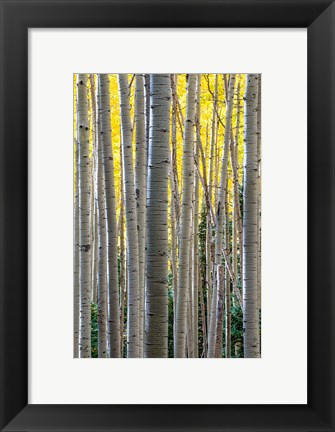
{"x": 102, "y": 235}
{"x": 156, "y": 318}
{"x": 173, "y": 246}
{"x": 189, "y": 337}
{"x": 220, "y": 214}
{"x": 140, "y": 186}
{"x": 174, "y": 154}
{"x": 216, "y": 167}
{"x": 234, "y": 240}
{"x": 184, "y": 246}
{"x": 131, "y": 222}
{"x": 93, "y": 229}
{"x": 95, "y": 250}
{"x": 250, "y": 225}
{"x": 175, "y": 207}
{"x": 175, "y": 203}
{"x": 76, "y": 296}
{"x": 122, "y": 259}
{"x": 84, "y": 218}
{"x": 227, "y": 284}
{"x": 213, "y": 135}
{"x": 220, "y": 310}
{"x": 209, "y": 267}
{"x": 112, "y": 253}
{"x": 237, "y": 220}
{"x": 259, "y": 211}
{"x": 209, "y": 261}
{"x": 234, "y": 157}
{"x": 195, "y": 276}
{"x": 147, "y": 110}
{"x": 203, "y": 322}
{"x": 96, "y": 255}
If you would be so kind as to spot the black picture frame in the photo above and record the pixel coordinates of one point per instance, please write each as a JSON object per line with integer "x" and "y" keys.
{"x": 16, "y": 17}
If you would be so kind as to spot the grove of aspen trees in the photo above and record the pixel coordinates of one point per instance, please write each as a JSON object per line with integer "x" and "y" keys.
{"x": 167, "y": 215}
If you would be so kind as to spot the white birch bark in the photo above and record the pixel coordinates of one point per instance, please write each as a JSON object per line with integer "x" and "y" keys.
{"x": 140, "y": 185}
{"x": 156, "y": 310}
{"x": 250, "y": 225}
{"x": 84, "y": 218}
{"x": 112, "y": 234}
{"x": 220, "y": 215}
{"x": 131, "y": 222}
{"x": 185, "y": 229}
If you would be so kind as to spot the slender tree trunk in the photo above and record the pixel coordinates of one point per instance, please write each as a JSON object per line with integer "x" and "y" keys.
{"x": 250, "y": 232}
{"x": 220, "y": 215}
{"x": 259, "y": 212}
{"x": 102, "y": 235}
{"x": 234, "y": 157}
{"x": 259, "y": 219}
{"x": 213, "y": 135}
{"x": 93, "y": 216}
{"x": 216, "y": 166}
{"x": 131, "y": 222}
{"x": 140, "y": 185}
{"x": 209, "y": 267}
{"x": 173, "y": 246}
{"x": 237, "y": 219}
{"x": 112, "y": 258}
{"x": 190, "y": 340}
{"x": 122, "y": 260}
{"x": 147, "y": 111}
{"x": 184, "y": 247}
{"x": 195, "y": 277}
{"x": 175, "y": 204}
{"x": 227, "y": 283}
{"x": 76, "y": 296}
{"x": 220, "y": 310}
{"x": 84, "y": 218}
{"x": 203, "y": 323}
{"x": 156, "y": 318}
{"x": 96, "y": 254}
{"x": 174, "y": 154}
{"x": 212, "y": 157}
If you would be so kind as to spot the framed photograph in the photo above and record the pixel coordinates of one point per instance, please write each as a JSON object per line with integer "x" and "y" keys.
{"x": 167, "y": 215}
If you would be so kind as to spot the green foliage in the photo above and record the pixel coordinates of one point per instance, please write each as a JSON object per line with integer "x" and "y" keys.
{"x": 94, "y": 330}
{"x": 236, "y": 328}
